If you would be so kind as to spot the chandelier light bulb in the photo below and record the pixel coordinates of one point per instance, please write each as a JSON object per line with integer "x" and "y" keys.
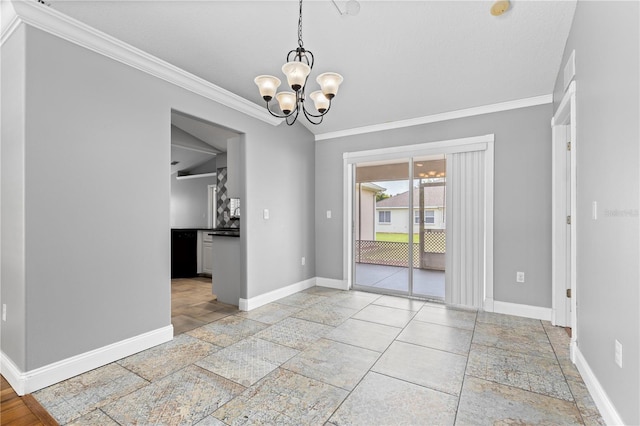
{"x": 287, "y": 101}
{"x": 296, "y": 73}
{"x": 329, "y": 83}
{"x": 267, "y": 85}
{"x": 320, "y": 101}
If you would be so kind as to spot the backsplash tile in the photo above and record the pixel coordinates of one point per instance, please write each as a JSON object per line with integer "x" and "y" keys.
{"x": 223, "y": 202}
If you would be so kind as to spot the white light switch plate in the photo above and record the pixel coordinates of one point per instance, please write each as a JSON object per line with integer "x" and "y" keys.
{"x": 265, "y": 213}
{"x": 328, "y": 214}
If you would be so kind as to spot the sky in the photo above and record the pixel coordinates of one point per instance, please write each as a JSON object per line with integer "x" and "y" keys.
{"x": 394, "y": 187}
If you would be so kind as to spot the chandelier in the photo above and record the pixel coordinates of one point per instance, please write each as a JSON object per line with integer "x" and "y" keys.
{"x": 297, "y": 69}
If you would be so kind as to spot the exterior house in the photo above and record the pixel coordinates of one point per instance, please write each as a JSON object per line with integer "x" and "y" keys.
{"x": 365, "y": 210}
{"x": 392, "y": 214}
{"x": 85, "y": 243}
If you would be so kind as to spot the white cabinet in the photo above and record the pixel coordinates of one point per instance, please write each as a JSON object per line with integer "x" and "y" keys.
{"x": 205, "y": 253}
{"x": 207, "y": 256}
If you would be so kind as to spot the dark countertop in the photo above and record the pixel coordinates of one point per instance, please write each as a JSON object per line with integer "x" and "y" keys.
{"x": 193, "y": 229}
{"x": 225, "y": 232}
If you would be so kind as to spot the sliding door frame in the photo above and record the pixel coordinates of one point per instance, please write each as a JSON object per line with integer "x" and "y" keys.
{"x": 476, "y": 143}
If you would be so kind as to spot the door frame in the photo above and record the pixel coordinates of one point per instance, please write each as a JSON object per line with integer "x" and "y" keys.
{"x": 451, "y": 146}
{"x": 565, "y": 117}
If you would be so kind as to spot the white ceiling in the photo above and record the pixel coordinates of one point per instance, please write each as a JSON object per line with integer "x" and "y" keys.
{"x": 399, "y": 59}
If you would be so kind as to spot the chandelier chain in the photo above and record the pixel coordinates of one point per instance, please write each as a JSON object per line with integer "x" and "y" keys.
{"x": 300, "y": 43}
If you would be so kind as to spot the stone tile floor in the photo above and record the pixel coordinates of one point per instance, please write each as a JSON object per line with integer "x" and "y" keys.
{"x": 328, "y": 357}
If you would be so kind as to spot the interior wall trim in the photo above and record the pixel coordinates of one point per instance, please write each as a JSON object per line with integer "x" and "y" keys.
{"x": 604, "y": 404}
{"x": 332, "y": 283}
{"x": 519, "y": 310}
{"x": 56, "y": 23}
{"x": 30, "y": 381}
{"x": 272, "y": 296}
{"x": 451, "y": 115}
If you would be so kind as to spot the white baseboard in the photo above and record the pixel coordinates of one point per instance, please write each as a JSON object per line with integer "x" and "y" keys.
{"x": 332, "y": 283}
{"x": 30, "y": 381}
{"x": 604, "y": 404}
{"x": 272, "y": 296}
{"x": 519, "y": 310}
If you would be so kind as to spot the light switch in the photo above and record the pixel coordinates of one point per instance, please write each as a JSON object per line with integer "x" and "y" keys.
{"x": 265, "y": 214}
{"x": 594, "y": 210}
{"x": 328, "y": 214}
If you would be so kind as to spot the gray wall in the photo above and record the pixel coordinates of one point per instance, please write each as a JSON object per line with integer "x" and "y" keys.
{"x": 189, "y": 201}
{"x": 97, "y": 246}
{"x": 12, "y": 278}
{"x": 605, "y": 37}
{"x": 522, "y": 195}
{"x": 279, "y": 177}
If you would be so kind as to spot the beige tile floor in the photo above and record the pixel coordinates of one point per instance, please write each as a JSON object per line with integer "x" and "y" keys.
{"x": 331, "y": 357}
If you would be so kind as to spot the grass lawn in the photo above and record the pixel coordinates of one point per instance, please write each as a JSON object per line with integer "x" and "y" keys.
{"x": 395, "y": 238}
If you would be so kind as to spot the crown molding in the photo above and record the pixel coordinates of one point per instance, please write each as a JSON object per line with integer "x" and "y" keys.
{"x": 53, "y": 22}
{"x": 451, "y": 115}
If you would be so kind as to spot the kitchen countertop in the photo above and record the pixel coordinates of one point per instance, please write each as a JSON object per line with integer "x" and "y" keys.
{"x": 225, "y": 232}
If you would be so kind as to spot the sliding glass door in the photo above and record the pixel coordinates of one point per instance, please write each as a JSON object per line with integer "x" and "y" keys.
{"x": 382, "y": 227}
{"x": 399, "y": 226}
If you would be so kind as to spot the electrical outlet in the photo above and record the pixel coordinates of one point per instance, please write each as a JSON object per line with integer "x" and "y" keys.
{"x": 4, "y": 312}
{"x": 520, "y": 277}
{"x": 303, "y": 261}
{"x": 618, "y": 353}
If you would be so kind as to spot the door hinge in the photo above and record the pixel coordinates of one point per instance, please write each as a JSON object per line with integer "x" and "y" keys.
{"x": 569, "y": 293}
{"x": 568, "y": 220}
{"x": 569, "y": 146}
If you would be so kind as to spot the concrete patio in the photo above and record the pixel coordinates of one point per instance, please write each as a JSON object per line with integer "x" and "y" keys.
{"x": 428, "y": 283}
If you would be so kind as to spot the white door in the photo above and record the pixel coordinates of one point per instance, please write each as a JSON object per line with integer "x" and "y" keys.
{"x": 567, "y": 257}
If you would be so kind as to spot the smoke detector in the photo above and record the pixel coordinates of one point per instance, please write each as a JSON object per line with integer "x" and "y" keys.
{"x": 500, "y": 7}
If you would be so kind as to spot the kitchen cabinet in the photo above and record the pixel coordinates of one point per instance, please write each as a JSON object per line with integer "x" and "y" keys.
{"x": 207, "y": 254}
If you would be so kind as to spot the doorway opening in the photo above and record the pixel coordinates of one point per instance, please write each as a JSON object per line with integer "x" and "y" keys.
{"x": 563, "y": 225}
{"x": 199, "y": 202}
{"x": 400, "y": 205}
{"x": 400, "y": 235}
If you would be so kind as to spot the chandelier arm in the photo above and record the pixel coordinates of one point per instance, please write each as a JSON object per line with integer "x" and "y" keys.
{"x": 297, "y": 110}
{"x": 312, "y": 58}
{"x": 311, "y": 117}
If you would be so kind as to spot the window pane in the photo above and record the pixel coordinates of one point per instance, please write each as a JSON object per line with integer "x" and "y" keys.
{"x": 429, "y": 216}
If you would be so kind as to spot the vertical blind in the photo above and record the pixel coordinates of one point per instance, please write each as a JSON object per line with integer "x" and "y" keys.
{"x": 465, "y": 218}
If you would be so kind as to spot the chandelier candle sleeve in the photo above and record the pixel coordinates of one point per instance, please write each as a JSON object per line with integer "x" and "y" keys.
{"x": 329, "y": 82}
{"x": 287, "y": 101}
{"x": 297, "y": 73}
{"x": 267, "y": 85}
{"x": 320, "y": 101}
{"x": 297, "y": 69}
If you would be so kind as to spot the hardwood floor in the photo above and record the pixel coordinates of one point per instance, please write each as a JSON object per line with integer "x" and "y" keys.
{"x": 193, "y": 304}
{"x": 21, "y": 411}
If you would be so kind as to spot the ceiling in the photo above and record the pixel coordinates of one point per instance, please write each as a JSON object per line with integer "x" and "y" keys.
{"x": 210, "y": 139}
{"x": 399, "y": 59}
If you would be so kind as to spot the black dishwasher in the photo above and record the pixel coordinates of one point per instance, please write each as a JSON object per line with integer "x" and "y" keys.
{"x": 184, "y": 252}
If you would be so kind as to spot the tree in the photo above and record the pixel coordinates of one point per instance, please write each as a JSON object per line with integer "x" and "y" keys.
{"x": 381, "y": 196}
